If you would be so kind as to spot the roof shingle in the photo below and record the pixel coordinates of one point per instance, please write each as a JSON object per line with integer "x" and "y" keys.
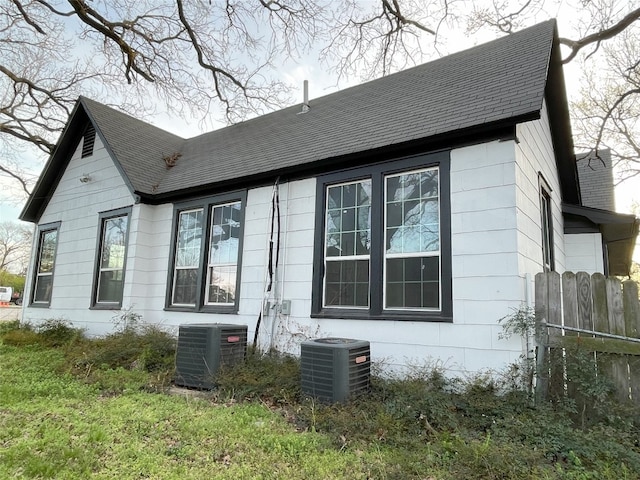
{"x": 497, "y": 81}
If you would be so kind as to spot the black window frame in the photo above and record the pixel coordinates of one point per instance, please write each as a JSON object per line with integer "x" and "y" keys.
{"x": 103, "y": 217}
{"x": 377, "y": 172}
{"x": 206, "y": 204}
{"x": 546, "y": 225}
{"x": 42, "y": 231}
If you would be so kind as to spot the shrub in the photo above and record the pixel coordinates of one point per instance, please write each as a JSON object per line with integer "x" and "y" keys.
{"x": 147, "y": 348}
{"x": 9, "y": 326}
{"x": 58, "y": 332}
{"x": 273, "y": 376}
{"x": 20, "y": 336}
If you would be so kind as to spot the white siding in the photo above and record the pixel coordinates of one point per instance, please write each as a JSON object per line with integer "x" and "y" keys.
{"x": 495, "y": 227}
{"x": 534, "y": 155}
{"x": 584, "y": 253}
{"x": 77, "y": 206}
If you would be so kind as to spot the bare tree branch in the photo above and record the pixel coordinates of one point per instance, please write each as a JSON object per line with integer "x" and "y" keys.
{"x": 27, "y": 18}
{"x": 17, "y": 178}
{"x": 604, "y": 34}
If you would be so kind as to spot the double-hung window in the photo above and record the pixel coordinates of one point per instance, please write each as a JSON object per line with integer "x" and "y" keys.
{"x": 383, "y": 249}
{"x": 206, "y": 254}
{"x": 112, "y": 257}
{"x": 546, "y": 221}
{"x": 46, "y": 256}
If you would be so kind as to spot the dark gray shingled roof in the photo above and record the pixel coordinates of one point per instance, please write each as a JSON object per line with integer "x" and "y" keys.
{"x": 499, "y": 80}
{"x": 596, "y": 179}
{"x": 496, "y": 84}
{"x": 137, "y": 145}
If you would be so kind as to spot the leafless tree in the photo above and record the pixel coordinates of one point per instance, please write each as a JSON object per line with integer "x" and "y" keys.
{"x": 607, "y": 46}
{"x": 200, "y": 57}
{"x": 608, "y": 113}
{"x": 15, "y": 245}
{"x": 196, "y": 56}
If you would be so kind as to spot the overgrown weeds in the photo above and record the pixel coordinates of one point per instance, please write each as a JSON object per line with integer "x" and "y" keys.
{"x": 138, "y": 356}
{"x": 423, "y": 425}
{"x": 475, "y": 429}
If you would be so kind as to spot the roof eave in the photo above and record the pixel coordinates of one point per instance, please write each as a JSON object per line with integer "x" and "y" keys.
{"x": 500, "y": 130}
{"x": 55, "y": 166}
{"x": 560, "y": 123}
{"x": 619, "y": 232}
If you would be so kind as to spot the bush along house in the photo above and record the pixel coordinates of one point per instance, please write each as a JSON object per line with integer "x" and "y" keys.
{"x": 412, "y": 211}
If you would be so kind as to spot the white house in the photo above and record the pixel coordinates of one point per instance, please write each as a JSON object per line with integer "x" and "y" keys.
{"x": 411, "y": 211}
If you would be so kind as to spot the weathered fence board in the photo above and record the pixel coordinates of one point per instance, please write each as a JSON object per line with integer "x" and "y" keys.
{"x": 585, "y": 317}
{"x": 631, "y": 307}
{"x": 593, "y": 314}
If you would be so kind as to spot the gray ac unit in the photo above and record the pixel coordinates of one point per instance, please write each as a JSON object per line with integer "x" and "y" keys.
{"x": 334, "y": 369}
{"x": 205, "y": 347}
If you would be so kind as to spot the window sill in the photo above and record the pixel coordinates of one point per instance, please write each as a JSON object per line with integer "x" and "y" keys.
{"x": 106, "y": 306}
{"x": 206, "y": 309}
{"x": 39, "y": 305}
{"x": 342, "y": 314}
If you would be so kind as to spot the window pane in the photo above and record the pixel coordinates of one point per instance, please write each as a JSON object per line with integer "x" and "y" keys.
{"x": 47, "y": 251}
{"x": 223, "y": 253}
{"x": 44, "y": 269}
{"x": 412, "y": 213}
{"x": 185, "y": 284}
{"x": 222, "y": 285}
{"x": 43, "y": 288}
{"x": 189, "y": 238}
{"x": 110, "y": 286}
{"x": 347, "y": 283}
{"x": 413, "y": 282}
{"x": 113, "y": 242}
{"x": 348, "y": 219}
{"x": 547, "y": 247}
{"x": 112, "y": 255}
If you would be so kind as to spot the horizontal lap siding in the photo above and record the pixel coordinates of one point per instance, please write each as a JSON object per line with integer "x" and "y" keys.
{"x": 485, "y": 268}
{"x": 484, "y": 257}
{"x": 534, "y": 153}
{"x": 77, "y": 206}
{"x": 584, "y": 253}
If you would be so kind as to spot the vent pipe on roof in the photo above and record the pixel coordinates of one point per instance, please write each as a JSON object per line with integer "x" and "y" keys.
{"x": 305, "y": 102}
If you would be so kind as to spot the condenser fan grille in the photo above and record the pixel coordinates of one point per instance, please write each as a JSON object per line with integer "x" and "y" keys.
{"x": 204, "y": 348}
{"x": 335, "y": 369}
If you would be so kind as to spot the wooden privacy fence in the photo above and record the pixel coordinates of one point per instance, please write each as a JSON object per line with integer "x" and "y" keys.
{"x": 592, "y": 314}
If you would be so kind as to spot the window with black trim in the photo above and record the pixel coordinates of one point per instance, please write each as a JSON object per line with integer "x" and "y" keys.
{"x": 383, "y": 247}
{"x": 206, "y": 254}
{"x": 546, "y": 221}
{"x": 46, "y": 258}
{"x": 112, "y": 258}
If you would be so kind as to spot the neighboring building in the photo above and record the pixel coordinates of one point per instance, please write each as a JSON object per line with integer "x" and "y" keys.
{"x": 595, "y": 173}
{"x": 600, "y": 241}
{"x": 411, "y": 211}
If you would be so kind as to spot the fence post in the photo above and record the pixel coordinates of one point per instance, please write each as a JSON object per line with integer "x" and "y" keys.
{"x": 556, "y": 358}
{"x": 570, "y": 306}
{"x": 631, "y": 306}
{"x": 619, "y": 366}
{"x": 542, "y": 337}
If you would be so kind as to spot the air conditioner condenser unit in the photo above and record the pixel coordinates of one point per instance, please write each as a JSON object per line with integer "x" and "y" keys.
{"x": 205, "y": 347}
{"x": 335, "y": 369}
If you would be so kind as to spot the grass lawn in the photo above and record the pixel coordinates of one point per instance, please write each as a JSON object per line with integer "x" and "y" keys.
{"x": 71, "y": 408}
{"x": 54, "y": 426}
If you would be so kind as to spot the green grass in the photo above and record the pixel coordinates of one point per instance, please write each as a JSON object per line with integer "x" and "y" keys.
{"x": 54, "y": 426}
{"x": 74, "y": 408}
